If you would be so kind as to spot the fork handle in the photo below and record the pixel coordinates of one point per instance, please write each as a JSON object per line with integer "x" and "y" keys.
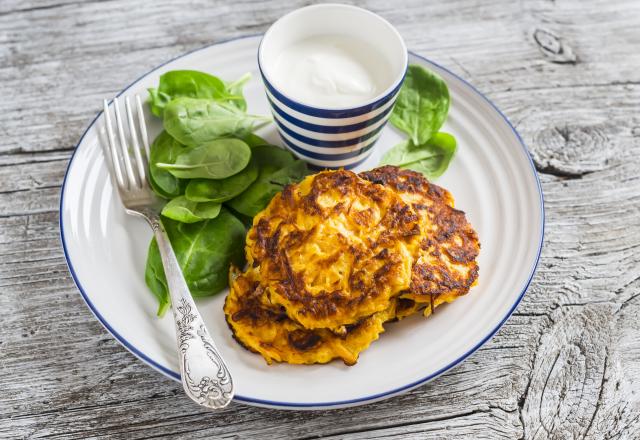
{"x": 205, "y": 376}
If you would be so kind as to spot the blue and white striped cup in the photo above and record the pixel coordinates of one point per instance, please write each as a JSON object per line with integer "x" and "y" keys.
{"x": 340, "y": 137}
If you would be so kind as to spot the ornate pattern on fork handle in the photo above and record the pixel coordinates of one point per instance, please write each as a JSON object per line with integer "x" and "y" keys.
{"x": 211, "y": 391}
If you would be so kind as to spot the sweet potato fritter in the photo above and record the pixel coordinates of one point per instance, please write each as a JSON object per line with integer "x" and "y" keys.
{"x": 445, "y": 267}
{"x": 333, "y": 258}
{"x": 265, "y": 328}
{"x": 334, "y": 249}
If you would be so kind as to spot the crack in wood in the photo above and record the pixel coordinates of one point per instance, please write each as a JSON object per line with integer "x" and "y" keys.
{"x": 29, "y": 213}
{"x": 553, "y": 170}
{"x": 599, "y": 399}
{"x": 36, "y": 188}
{"x": 544, "y": 389}
{"x": 47, "y": 7}
{"x": 523, "y": 397}
{"x": 403, "y": 424}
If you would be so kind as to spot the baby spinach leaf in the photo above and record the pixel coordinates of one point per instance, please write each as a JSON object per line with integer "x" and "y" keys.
{"x": 292, "y": 173}
{"x": 435, "y": 165}
{"x": 165, "y": 149}
{"x": 183, "y": 210}
{"x": 253, "y": 140}
{"x": 158, "y": 101}
{"x": 205, "y": 251}
{"x": 210, "y": 190}
{"x": 272, "y": 157}
{"x": 185, "y": 83}
{"x": 235, "y": 90}
{"x": 213, "y": 160}
{"x": 422, "y": 104}
{"x": 407, "y": 152}
{"x": 271, "y": 181}
{"x": 431, "y": 158}
{"x": 196, "y": 121}
{"x": 155, "y": 279}
{"x": 245, "y": 219}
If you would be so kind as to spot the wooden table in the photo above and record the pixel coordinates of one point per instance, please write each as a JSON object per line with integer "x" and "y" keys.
{"x": 567, "y": 363}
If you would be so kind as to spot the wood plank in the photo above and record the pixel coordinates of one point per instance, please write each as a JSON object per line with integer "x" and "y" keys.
{"x": 508, "y": 57}
{"x": 566, "y": 365}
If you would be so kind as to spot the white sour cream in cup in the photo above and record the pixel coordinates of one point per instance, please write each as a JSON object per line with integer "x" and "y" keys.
{"x": 331, "y": 71}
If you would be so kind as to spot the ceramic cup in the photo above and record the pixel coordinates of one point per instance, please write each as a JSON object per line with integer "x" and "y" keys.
{"x": 332, "y": 137}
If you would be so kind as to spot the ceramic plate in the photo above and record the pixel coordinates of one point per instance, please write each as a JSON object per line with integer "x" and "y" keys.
{"x": 491, "y": 177}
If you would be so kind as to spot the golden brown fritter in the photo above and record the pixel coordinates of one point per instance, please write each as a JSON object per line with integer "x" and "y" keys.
{"x": 265, "y": 328}
{"x": 330, "y": 260}
{"x": 334, "y": 249}
{"x": 445, "y": 267}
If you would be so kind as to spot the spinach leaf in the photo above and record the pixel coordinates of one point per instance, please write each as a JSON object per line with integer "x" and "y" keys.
{"x": 189, "y": 83}
{"x": 422, "y": 104}
{"x": 210, "y": 190}
{"x": 272, "y": 157}
{"x": 406, "y": 152}
{"x": 205, "y": 251}
{"x": 235, "y": 90}
{"x": 165, "y": 149}
{"x": 196, "y": 121}
{"x": 435, "y": 165}
{"x": 155, "y": 279}
{"x": 431, "y": 158}
{"x": 253, "y": 140}
{"x": 274, "y": 175}
{"x": 214, "y": 160}
{"x": 245, "y": 219}
{"x": 183, "y": 210}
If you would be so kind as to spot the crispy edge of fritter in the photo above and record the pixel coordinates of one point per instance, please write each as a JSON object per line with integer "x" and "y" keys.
{"x": 267, "y": 248}
{"x": 251, "y": 317}
{"x": 408, "y": 181}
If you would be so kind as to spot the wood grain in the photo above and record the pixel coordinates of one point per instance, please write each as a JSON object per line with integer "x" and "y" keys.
{"x": 565, "y": 366}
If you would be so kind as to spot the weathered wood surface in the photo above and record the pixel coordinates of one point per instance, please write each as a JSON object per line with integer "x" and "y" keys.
{"x": 565, "y": 366}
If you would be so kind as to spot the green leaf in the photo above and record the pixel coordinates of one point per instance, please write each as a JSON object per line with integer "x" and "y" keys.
{"x": 431, "y": 158}
{"x": 253, "y": 140}
{"x": 214, "y": 160}
{"x": 210, "y": 190}
{"x": 157, "y": 101}
{"x": 235, "y": 89}
{"x": 205, "y": 251}
{"x": 196, "y": 121}
{"x": 406, "y": 152}
{"x": 292, "y": 173}
{"x": 277, "y": 169}
{"x": 155, "y": 278}
{"x": 185, "y": 83}
{"x": 422, "y": 104}
{"x": 186, "y": 211}
{"x": 245, "y": 219}
{"x": 165, "y": 149}
{"x": 272, "y": 157}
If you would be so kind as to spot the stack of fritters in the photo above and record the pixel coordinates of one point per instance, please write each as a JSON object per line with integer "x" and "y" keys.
{"x": 333, "y": 258}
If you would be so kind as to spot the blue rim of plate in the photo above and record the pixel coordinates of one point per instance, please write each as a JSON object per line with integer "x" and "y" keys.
{"x": 320, "y": 405}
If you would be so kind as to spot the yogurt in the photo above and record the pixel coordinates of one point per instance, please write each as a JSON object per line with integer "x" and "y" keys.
{"x": 331, "y": 71}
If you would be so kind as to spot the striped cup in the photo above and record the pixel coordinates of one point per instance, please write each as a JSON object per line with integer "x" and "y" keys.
{"x": 332, "y": 137}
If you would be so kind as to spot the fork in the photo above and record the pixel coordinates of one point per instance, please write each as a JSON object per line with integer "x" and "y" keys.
{"x": 204, "y": 374}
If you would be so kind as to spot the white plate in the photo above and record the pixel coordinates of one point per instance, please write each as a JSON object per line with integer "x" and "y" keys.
{"x": 491, "y": 177}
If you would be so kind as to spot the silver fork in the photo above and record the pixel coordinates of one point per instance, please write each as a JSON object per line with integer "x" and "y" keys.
{"x": 205, "y": 376}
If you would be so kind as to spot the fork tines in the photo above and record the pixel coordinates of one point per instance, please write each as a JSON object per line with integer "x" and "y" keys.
{"x": 135, "y": 174}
